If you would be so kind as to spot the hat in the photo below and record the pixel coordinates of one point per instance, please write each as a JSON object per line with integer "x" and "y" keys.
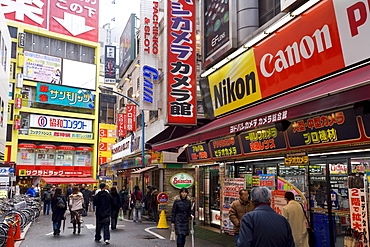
{"x": 102, "y": 186}
{"x": 149, "y": 187}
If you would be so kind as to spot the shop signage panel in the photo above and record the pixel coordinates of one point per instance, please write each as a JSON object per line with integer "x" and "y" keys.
{"x": 293, "y": 159}
{"x": 181, "y": 63}
{"x": 197, "y": 152}
{"x": 62, "y": 123}
{"x": 33, "y": 172}
{"x": 42, "y": 68}
{"x": 338, "y": 169}
{"x": 329, "y": 128}
{"x": 59, "y": 134}
{"x": 122, "y": 149}
{"x": 127, "y": 45}
{"x": 67, "y": 96}
{"x": 131, "y": 117}
{"x": 110, "y": 64}
{"x": 267, "y": 180}
{"x": 366, "y": 121}
{"x": 149, "y": 49}
{"x": 225, "y": 147}
{"x": 121, "y": 124}
{"x": 268, "y": 139}
{"x": 219, "y": 19}
{"x": 182, "y": 180}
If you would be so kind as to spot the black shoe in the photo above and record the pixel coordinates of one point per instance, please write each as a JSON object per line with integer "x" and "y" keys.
{"x": 79, "y": 230}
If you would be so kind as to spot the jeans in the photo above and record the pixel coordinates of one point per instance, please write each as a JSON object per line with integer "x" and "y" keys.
{"x": 47, "y": 207}
{"x": 155, "y": 214}
{"x": 180, "y": 239}
{"x": 56, "y": 225}
{"x": 236, "y": 238}
{"x": 137, "y": 214}
{"x": 114, "y": 219}
{"x": 102, "y": 224}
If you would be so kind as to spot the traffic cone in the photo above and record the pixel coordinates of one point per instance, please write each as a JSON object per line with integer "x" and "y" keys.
{"x": 17, "y": 236}
{"x": 10, "y": 239}
{"x": 162, "y": 223}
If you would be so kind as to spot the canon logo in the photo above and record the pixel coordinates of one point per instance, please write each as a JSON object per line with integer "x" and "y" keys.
{"x": 294, "y": 53}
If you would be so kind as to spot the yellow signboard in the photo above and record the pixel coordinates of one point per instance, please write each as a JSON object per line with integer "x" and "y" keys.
{"x": 59, "y": 134}
{"x": 235, "y": 85}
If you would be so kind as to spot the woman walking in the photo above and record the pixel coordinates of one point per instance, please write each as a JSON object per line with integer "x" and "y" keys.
{"x": 137, "y": 197}
{"x": 76, "y": 201}
{"x": 181, "y": 214}
{"x": 58, "y": 207}
{"x": 116, "y": 205}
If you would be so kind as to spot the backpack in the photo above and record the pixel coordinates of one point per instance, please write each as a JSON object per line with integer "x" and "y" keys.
{"x": 61, "y": 203}
{"x": 48, "y": 196}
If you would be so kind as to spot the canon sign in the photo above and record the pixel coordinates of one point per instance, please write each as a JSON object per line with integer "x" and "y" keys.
{"x": 293, "y": 53}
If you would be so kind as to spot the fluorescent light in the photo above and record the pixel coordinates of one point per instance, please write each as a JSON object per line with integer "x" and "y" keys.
{"x": 221, "y": 63}
{"x": 236, "y": 53}
{"x": 304, "y": 7}
{"x": 208, "y": 72}
{"x": 255, "y": 40}
{"x": 281, "y": 22}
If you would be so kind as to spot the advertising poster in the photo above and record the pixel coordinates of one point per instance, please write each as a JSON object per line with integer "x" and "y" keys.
{"x": 230, "y": 194}
{"x": 42, "y": 68}
{"x": 110, "y": 64}
{"x": 127, "y": 45}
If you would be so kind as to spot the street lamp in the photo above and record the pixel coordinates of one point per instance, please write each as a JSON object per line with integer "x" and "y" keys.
{"x": 103, "y": 88}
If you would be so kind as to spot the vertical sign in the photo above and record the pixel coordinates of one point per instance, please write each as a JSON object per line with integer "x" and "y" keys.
{"x": 181, "y": 53}
{"x": 131, "y": 117}
{"x": 110, "y": 64}
{"x": 149, "y": 53}
{"x": 358, "y": 207}
{"x": 121, "y": 125}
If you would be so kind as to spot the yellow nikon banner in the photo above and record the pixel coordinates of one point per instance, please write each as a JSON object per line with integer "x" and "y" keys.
{"x": 234, "y": 85}
{"x": 59, "y": 134}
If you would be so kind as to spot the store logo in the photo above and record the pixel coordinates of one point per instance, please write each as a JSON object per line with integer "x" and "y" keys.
{"x": 182, "y": 180}
{"x": 42, "y": 121}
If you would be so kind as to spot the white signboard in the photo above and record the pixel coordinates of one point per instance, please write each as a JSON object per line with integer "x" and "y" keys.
{"x": 60, "y": 123}
{"x": 122, "y": 149}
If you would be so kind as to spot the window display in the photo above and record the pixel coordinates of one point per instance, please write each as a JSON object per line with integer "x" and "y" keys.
{"x": 83, "y": 156}
{"x": 45, "y": 155}
{"x": 26, "y": 154}
{"x": 64, "y": 156}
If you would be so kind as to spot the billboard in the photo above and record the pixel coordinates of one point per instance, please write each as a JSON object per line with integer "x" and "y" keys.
{"x": 74, "y": 18}
{"x": 61, "y": 123}
{"x": 110, "y": 64}
{"x": 67, "y": 96}
{"x": 149, "y": 75}
{"x": 219, "y": 25}
{"x": 42, "y": 68}
{"x": 181, "y": 63}
{"x": 79, "y": 74}
{"x": 127, "y": 45}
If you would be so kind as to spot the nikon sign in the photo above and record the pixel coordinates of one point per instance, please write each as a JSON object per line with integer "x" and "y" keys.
{"x": 182, "y": 180}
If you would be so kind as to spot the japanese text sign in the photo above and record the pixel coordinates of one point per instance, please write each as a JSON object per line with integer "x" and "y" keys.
{"x": 121, "y": 125}
{"x": 262, "y": 140}
{"x": 199, "y": 151}
{"x": 225, "y": 147}
{"x": 296, "y": 159}
{"x": 131, "y": 117}
{"x": 181, "y": 51}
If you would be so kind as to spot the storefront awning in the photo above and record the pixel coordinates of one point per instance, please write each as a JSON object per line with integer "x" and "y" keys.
{"x": 145, "y": 169}
{"x": 67, "y": 180}
{"x": 335, "y": 92}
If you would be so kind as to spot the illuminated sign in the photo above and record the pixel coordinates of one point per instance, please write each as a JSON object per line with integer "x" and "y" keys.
{"x": 225, "y": 147}
{"x": 182, "y": 180}
{"x": 296, "y": 159}
{"x": 199, "y": 151}
{"x": 262, "y": 140}
{"x": 131, "y": 117}
{"x": 62, "y": 123}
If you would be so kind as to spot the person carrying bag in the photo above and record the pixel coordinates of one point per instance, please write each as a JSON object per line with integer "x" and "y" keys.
{"x": 310, "y": 231}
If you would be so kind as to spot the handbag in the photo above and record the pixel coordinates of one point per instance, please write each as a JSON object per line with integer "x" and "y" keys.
{"x": 310, "y": 231}
{"x": 172, "y": 235}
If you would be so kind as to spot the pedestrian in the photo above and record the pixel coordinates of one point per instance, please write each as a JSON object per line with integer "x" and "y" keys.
{"x": 31, "y": 191}
{"x": 123, "y": 193}
{"x": 58, "y": 210}
{"x": 263, "y": 226}
{"x": 69, "y": 190}
{"x": 46, "y": 198}
{"x": 87, "y": 194}
{"x": 238, "y": 209}
{"x": 146, "y": 201}
{"x": 76, "y": 201}
{"x": 154, "y": 203}
{"x": 115, "y": 207}
{"x": 137, "y": 197}
{"x": 181, "y": 214}
{"x": 37, "y": 190}
{"x": 93, "y": 194}
{"x": 103, "y": 201}
{"x": 53, "y": 189}
{"x": 295, "y": 215}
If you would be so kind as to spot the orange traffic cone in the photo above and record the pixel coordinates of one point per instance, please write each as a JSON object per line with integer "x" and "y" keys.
{"x": 10, "y": 240}
{"x": 17, "y": 236}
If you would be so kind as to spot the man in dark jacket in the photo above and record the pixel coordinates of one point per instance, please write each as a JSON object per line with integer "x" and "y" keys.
{"x": 263, "y": 226}
{"x": 87, "y": 198}
{"x": 103, "y": 202}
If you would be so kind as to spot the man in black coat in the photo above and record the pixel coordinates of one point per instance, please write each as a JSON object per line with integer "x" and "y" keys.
{"x": 263, "y": 226}
{"x": 103, "y": 202}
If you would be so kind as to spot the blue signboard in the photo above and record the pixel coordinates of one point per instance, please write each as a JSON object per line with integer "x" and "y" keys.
{"x": 67, "y": 96}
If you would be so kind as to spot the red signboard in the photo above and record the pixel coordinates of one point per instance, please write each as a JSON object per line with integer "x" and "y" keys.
{"x": 121, "y": 125}
{"x": 181, "y": 45}
{"x": 309, "y": 52}
{"x": 29, "y": 170}
{"x": 18, "y": 103}
{"x": 131, "y": 117}
{"x": 74, "y": 18}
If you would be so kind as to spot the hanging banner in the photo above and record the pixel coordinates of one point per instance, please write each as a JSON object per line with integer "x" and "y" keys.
{"x": 181, "y": 57}
{"x": 121, "y": 125}
{"x": 110, "y": 64}
{"x": 230, "y": 194}
{"x": 131, "y": 117}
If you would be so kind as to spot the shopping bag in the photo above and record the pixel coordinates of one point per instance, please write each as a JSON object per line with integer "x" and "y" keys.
{"x": 172, "y": 235}
{"x": 311, "y": 237}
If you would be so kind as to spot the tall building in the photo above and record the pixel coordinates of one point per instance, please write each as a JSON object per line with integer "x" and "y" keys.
{"x": 53, "y": 110}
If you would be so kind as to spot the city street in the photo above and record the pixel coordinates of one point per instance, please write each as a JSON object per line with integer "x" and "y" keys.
{"x": 128, "y": 234}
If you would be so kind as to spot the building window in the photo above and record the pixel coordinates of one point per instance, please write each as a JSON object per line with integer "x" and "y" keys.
{"x": 153, "y": 115}
{"x": 267, "y": 10}
{"x": 13, "y": 31}
{"x": 14, "y": 50}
